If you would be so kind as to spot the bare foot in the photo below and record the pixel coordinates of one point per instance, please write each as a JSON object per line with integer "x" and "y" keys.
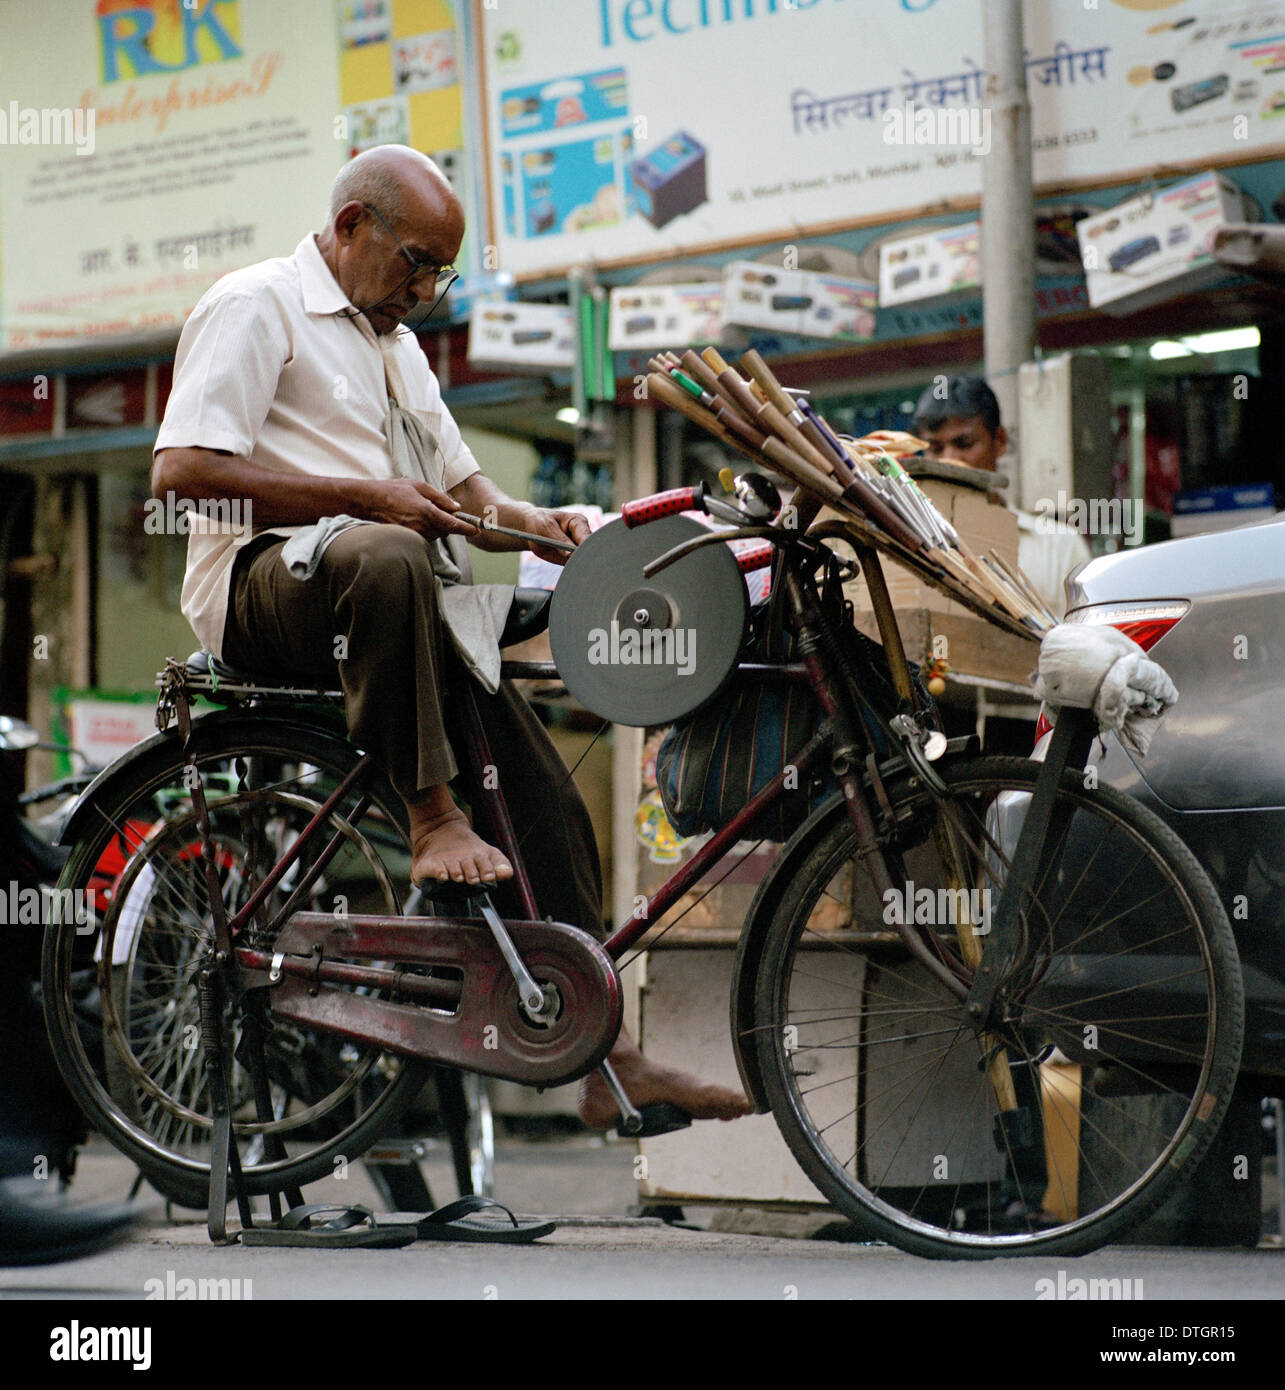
{"x": 647, "y": 1083}
{"x": 444, "y": 846}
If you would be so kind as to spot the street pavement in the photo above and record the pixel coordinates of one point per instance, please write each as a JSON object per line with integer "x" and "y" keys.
{"x": 602, "y": 1250}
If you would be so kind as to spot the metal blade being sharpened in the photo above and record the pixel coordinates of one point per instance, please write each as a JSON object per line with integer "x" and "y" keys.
{"x": 529, "y": 536}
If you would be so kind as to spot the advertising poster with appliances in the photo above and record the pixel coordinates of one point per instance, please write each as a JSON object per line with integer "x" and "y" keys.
{"x": 624, "y": 129}
{"x": 151, "y": 146}
{"x": 204, "y": 141}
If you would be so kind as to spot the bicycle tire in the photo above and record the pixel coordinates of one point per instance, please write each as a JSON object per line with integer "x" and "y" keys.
{"x": 943, "y": 1177}
{"x": 146, "y": 1099}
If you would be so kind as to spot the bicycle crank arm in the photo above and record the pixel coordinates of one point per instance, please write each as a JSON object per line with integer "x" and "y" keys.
{"x": 483, "y": 1028}
{"x": 535, "y": 1001}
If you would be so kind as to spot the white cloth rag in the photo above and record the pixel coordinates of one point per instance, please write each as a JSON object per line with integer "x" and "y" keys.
{"x": 1099, "y": 668}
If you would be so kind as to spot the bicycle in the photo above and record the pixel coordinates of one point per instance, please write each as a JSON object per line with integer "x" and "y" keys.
{"x": 951, "y": 1081}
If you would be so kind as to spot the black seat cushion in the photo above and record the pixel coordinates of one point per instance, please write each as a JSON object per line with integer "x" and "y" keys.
{"x": 528, "y": 617}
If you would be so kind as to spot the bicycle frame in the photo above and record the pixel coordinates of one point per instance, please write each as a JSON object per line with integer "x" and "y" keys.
{"x": 300, "y": 970}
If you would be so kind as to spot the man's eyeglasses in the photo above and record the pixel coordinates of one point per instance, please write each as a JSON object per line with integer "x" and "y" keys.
{"x": 423, "y": 273}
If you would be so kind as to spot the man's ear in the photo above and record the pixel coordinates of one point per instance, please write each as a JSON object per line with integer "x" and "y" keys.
{"x": 348, "y": 219}
{"x": 1001, "y": 441}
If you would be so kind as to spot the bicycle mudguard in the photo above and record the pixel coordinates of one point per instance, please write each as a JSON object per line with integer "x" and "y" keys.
{"x": 164, "y": 748}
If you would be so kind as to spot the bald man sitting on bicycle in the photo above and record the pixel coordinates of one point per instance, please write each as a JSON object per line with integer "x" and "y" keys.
{"x": 295, "y": 389}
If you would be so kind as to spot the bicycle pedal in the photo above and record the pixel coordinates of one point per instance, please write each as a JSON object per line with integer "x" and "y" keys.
{"x": 661, "y": 1118}
{"x": 450, "y": 899}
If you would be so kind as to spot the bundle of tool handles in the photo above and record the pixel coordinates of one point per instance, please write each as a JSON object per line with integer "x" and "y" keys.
{"x": 862, "y": 480}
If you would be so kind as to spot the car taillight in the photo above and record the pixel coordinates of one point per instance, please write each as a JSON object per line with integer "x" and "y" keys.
{"x": 1145, "y": 623}
{"x": 1146, "y": 632}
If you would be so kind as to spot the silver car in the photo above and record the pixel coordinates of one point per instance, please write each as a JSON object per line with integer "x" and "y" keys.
{"x": 1211, "y": 610}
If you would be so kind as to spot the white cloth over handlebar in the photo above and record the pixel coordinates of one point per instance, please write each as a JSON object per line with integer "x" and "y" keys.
{"x": 1099, "y": 668}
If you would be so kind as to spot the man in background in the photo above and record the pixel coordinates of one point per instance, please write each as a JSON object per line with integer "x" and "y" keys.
{"x": 962, "y": 425}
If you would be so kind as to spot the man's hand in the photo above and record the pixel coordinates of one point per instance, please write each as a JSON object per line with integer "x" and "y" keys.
{"x": 405, "y": 502}
{"x": 569, "y": 526}
{"x": 479, "y": 496}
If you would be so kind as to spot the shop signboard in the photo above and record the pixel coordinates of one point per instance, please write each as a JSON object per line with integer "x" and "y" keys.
{"x": 202, "y": 141}
{"x": 623, "y": 131}
{"x": 151, "y": 146}
{"x": 1222, "y": 508}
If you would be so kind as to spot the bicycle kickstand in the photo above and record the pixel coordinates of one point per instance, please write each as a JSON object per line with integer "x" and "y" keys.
{"x": 225, "y": 1160}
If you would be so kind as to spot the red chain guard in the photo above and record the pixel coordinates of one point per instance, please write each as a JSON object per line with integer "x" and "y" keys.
{"x": 487, "y": 1032}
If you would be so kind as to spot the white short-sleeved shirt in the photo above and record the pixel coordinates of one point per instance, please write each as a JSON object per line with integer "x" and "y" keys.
{"x": 276, "y": 366}
{"x": 1047, "y": 551}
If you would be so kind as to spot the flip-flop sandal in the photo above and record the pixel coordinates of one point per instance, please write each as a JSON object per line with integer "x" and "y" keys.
{"x": 349, "y": 1228}
{"x": 448, "y": 1223}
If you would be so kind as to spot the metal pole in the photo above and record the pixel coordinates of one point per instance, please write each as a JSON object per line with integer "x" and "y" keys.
{"x": 1008, "y": 217}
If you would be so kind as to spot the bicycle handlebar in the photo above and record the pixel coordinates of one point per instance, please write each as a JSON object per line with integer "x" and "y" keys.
{"x": 660, "y": 504}
{"x": 755, "y": 557}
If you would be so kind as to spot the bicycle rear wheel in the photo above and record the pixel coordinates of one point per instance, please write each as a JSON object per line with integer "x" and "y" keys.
{"x": 1121, "y": 1014}
{"x": 120, "y": 984}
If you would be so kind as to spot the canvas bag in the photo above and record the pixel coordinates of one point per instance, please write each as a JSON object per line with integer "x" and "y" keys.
{"x": 712, "y": 762}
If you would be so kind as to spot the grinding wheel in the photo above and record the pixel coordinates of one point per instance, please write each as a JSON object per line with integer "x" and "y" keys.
{"x": 647, "y": 651}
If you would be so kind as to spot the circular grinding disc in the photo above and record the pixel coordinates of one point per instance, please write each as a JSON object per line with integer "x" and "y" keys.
{"x": 647, "y": 651}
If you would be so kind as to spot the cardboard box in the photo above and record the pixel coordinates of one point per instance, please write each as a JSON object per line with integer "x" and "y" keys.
{"x": 806, "y": 302}
{"x": 973, "y": 646}
{"x": 513, "y": 336}
{"x": 982, "y": 524}
{"x": 931, "y": 265}
{"x": 645, "y": 317}
{"x": 1157, "y": 245}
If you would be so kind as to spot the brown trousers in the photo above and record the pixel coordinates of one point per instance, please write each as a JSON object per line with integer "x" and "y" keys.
{"x": 370, "y": 613}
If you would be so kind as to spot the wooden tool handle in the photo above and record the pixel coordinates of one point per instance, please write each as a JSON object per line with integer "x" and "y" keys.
{"x": 777, "y": 395}
{"x": 698, "y": 369}
{"x": 799, "y": 470}
{"x": 772, "y": 388}
{"x": 734, "y": 388}
{"x": 671, "y": 394}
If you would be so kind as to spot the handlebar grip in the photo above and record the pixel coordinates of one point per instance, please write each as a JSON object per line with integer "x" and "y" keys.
{"x": 754, "y": 557}
{"x": 659, "y": 504}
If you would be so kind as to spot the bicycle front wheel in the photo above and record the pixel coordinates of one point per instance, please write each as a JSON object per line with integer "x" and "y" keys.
{"x": 1103, "y": 1072}
{"x": 120, "y": 978}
